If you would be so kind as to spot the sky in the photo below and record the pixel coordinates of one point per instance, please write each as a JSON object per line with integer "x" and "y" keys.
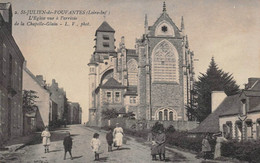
{"x": 227, "y": 30}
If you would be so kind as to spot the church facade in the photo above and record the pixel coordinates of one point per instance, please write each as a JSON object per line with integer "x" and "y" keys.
{"x": 153, "y": 81}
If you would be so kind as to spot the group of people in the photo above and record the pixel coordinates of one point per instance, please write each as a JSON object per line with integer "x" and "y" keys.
{"x": 113, "y": 137}
{"x": 67, "y": 142}
{"x": 206, "y": 148}
{"x": 158, "y": 145}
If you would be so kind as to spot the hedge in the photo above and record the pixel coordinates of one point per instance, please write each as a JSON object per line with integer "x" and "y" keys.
{"x": 245, "y": 151}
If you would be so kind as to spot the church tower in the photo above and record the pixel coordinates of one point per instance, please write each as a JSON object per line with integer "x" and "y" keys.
{"x": 164, "y": 77}
{"x": 101, "y": 67}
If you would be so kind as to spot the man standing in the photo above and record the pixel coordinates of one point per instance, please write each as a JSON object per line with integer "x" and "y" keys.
{"x": 67, "y": 143}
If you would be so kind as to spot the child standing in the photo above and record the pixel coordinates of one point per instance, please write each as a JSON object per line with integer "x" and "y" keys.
{"x": 46, "y": 139}
{"x": 154, "y": 150}
{"x": 109, "y": 138}
{"x": 67, "y": 143}
{"x": 95, "y": 145}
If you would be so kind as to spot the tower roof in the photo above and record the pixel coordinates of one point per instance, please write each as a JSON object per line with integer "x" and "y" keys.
{"x": 5, "y": 6}
{"x": 112, "y": 83}
{"x": 105, "y": 27}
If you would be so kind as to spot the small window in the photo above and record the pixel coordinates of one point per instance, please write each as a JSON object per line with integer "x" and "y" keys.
{"x": 105, "y": 44}
{"x": 105, "y": 37}
{"x": 109, "y": 97}
{"x": 117, "y": 97}
{"x": 132, "y": 100}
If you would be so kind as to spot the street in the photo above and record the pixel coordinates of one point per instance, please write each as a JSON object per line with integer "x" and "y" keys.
{"x": 132, "y": 151}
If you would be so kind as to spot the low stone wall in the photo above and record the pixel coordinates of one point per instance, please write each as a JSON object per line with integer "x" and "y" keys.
{"x": 139, "y": 125}
{"x": 178, "y": 125}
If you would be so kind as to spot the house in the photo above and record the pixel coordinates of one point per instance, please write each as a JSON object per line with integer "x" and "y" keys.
{"x": 237, "y": 116}
{"x": 74, "y": 113}
{"x": 40, "y": 117}
{"x": 242, "y": 120}
{"x": 11, "y": 65}
{"x": 58, "y": 95}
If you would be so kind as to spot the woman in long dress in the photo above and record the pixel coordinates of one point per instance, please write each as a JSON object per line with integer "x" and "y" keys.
{"x": 206, "y": 147}
{"x": 220, "y": 140}
{"x": 118, "y": 134}
{"x": 46, "y": 135}
{"x": 160, "y": 140}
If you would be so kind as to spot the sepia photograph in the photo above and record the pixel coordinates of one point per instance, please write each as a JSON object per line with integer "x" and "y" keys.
{"x": 133, "y": 81}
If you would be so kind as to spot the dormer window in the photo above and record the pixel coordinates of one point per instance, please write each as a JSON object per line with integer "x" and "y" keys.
{"x": 244, "y": 112}
{"x": 164, "y": 29}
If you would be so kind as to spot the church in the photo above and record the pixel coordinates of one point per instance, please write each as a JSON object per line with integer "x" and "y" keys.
{"x": 153, "y": 81}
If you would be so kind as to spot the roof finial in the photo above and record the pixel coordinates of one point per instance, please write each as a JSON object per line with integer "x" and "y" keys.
{"x": 182, "y": 23}
{"x": 164, "y": 7}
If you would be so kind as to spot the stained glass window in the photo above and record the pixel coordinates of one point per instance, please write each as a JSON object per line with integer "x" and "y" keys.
{"x": 132, "y": 72}
{"x": 164, "y": 63}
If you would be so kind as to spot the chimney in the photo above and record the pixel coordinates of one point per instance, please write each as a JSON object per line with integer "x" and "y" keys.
{"x": 40, "y": 79}
{"x": 251, "y": 82}
{"x": 217, "y": 98}
{"x": 6, "y": 12}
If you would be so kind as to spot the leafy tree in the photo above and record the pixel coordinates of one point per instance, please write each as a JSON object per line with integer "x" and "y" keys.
{"x": 214, "y": 79}
{"x": 109, "y": 113}
{"x": 29, "y": 97}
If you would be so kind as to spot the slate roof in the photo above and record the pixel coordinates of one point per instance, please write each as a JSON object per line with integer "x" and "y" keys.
{"x": 234, "y": 108}
{"x": 122, "y": 111}
{"x": 5, "y": 6}
{"x": 112, "y": 83}
{"x": 255, "y": 109}
{"x": 104, "y": 27}
{"x": 131, "y": 91}
{"x": 211, "y": 123}
{"x": 252, "y": 93}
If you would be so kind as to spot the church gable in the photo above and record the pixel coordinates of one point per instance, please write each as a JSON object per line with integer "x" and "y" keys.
{"x": 164, "y": 27}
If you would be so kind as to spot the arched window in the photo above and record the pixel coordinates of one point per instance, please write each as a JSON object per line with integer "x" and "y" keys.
{"x": 166, "y": 115}
{"x": 132, "y": 69}
{"x": 171, "y": 116}
{"x": 165, "y": 63}
{"x": 160, "y": 116}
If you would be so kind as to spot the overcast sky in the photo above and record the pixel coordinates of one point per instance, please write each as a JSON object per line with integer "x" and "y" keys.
{"x": 229, "y": 30}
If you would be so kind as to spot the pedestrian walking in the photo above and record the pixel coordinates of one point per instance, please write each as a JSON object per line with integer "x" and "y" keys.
{"x": 154, "y": 150}
{"x": 219, "y": 140}
{"x": 67, "y": 143}
{"x": 206, "y": 149}
{"x": 46, "y": 135}
{"x": 109, "y": 137}
{"x": 118, "y": 136}
{"x": 95, "y": 145}
{"x": 161, "y": 140}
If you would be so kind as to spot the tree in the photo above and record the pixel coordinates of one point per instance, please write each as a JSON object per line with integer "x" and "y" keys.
{"x": 109, "y": 113}
{"x": 29, "y": 97}
{"x": 214, "y": 79}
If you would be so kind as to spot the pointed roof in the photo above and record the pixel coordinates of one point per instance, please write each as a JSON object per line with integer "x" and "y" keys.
{"x": 105, "y": 27}
{"x": 5, "y": 6}
{"x": 112, "y": 83}
{"x": 211, "y": 123}
{"x": 92, "y": 60}
{"x": 182, "y": 23}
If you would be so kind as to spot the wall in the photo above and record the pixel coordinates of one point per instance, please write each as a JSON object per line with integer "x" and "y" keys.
{"x": 130, "y": 123}
{"x": 43, "y": 102}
